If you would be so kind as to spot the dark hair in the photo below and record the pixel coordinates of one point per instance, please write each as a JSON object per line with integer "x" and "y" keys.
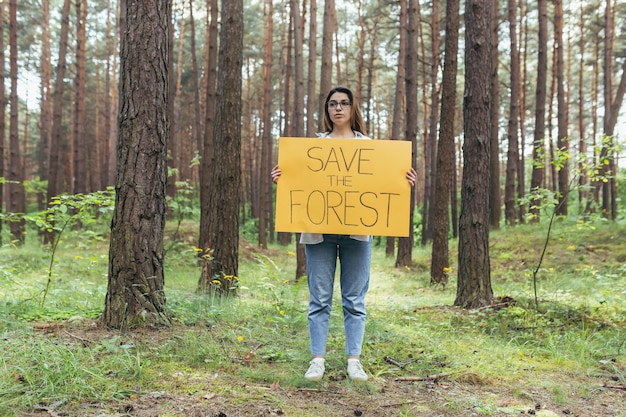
{"x": 356, "y": 120}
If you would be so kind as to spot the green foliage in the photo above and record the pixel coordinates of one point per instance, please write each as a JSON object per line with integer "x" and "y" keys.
{"x": 64, "y": 211}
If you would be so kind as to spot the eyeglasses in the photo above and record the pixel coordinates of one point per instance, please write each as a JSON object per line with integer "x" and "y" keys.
{"x": 343, "y": 104}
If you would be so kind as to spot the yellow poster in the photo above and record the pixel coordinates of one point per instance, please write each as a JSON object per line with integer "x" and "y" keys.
{"x": 343, "y": 186}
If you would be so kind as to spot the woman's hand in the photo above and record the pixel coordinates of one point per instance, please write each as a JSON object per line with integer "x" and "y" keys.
{"x": 276, "y": 172}
{"x": 411, "y": 176}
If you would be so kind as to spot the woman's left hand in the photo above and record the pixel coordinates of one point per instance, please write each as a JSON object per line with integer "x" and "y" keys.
{"x": 411, "y": 176}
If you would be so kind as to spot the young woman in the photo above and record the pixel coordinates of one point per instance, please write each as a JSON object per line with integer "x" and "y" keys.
{"x": 342, "y": 119}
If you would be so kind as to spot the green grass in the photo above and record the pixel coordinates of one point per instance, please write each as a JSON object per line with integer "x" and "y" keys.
{"x": 234, "y": 348}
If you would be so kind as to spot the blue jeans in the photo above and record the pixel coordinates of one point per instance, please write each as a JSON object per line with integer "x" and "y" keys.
{"x": 321, "y": 263}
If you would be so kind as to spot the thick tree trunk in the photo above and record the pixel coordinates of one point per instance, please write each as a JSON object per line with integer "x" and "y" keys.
{"x": 474, "y": 275}
{"x": 135, "y": 294}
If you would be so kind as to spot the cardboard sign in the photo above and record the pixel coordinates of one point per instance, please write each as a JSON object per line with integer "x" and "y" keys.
{"x": 343, "y": 186}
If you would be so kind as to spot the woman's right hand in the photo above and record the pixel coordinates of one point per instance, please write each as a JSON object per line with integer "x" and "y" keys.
{"x": 276, "y": 172}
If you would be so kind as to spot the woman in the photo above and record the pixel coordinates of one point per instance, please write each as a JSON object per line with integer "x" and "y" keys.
{"x": 342, "y": 119}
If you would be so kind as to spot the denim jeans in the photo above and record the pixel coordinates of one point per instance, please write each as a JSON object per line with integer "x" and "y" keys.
{"x": 321, "y": 259}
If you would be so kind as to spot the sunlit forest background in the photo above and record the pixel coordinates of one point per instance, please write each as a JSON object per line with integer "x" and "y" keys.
{"x": 60, "y": 94}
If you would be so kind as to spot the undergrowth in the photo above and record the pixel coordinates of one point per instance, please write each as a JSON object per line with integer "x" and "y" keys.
{"x": 57, "y": 356}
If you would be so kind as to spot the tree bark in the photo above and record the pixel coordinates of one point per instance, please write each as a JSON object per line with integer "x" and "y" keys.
{"x": 54, "y": 171}
{"x": 495, "y": 195}
{"x": 225, "y": 172}
{"x": 326, "y": 69}
{"x": 399, "y": 106}
{"x": 204, "y": 240}
{"x": 440, "y": 262}
{"x": 474, "y": 275}
{"x": 284, "y": 238}
{"x": 405, "y": 244}
{"x": 81, "y": 173}
{"x": 311, "y": 104}
{"x": 266, "y": 119}
{"x": 562, "y": 141}
{"x": 2, "y": 111}
{"x": 538, "y": 170}
{"x": 430, "y": 148}
{"x": 135, "y": 294}
{"x": 45, "y": 112}
{"x": 512, "y": 159}
{"x": 17, "y": 195}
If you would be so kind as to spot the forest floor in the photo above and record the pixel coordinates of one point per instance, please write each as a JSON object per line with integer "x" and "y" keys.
{"x": 462, "y": 394}
{"x": 511, "y": 377}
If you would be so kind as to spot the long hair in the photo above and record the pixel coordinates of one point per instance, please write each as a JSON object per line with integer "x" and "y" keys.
{"x": 356, "y": 120}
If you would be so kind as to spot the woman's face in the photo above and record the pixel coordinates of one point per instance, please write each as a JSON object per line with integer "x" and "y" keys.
{"x": 339, "y": 109}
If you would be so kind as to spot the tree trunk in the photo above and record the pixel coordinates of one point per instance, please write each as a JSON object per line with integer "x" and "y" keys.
{"x": 284, "y": 238}
{"x": 225, "y": 172}
{"x": 405, "y": 244}
{"x": 562, "y": 140}
{"x": 583, "y": 161}
{"x": 399, "y": 106}
{"x": 81, "y": 173}
{"x": 521, "y": 169}
{"x": 611, "y": 107}
{"x": 135, "y": 294}
{"x": 298, "y": 90}
{"x": 310, "y": 104}
{"x": 297, "y": 128}
{"x": 266, "y": 119}
{"x": 538, "y": 170}
{"x": 474, "y": 279}
{"x": 440, "y": 262}
{"x": 326, "y": 69}
{"x": 196, "y": 87}
{"x": 44, "y": 101}
{"x": 495, "y": 195}
{"x": 105, "y": 160}
{"x": 204, "y": 241}
{"x": 512, "y": 159}
{"x": 172, "y": 144}
{"x": 2, "y": 112}
{"x": 54, "y": 171}
{"x": 430, "y": 149}
{"x": 17, "y": 195}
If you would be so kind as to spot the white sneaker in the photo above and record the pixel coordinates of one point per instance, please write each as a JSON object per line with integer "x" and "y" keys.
{"x": 316, "y": 370}
{"x": 355, "y": 370}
